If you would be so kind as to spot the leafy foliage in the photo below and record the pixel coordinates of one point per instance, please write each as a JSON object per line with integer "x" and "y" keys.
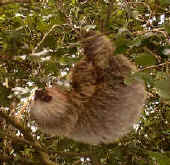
{"x": 39, "y": 43}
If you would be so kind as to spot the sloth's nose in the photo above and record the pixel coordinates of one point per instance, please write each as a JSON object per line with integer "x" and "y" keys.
{"x": 42, "y": 95}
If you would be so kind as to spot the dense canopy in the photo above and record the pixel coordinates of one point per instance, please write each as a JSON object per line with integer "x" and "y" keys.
{"x": 40, "y": 42}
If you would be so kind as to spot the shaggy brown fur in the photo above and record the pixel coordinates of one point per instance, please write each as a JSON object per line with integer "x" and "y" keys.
{"x": 100, "y": 107}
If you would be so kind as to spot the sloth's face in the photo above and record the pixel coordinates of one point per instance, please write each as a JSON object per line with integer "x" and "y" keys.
{"x": 48, "y": 106}
{"x": 47, "y": 100}
{"x": 51, "y": 111}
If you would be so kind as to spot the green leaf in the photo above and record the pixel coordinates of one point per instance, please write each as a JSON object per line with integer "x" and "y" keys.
{"x": 74, "y": 2}
{"x": 164, "y": 3}
{"x": 42, "y": 27}
{"x": 163, "y": 87}
{"x": 60, "y": 18}
{"x": 4, "y": 93}
{"x": 121, "y": 45}
{"x": 161, "y": 158}
{"x": 167, "y": 28}
{"x": 145, "y": 59}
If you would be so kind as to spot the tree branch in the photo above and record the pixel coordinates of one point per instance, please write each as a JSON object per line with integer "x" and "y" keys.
{"x": 27, "y": 135}
{"x": 17, "y": 125}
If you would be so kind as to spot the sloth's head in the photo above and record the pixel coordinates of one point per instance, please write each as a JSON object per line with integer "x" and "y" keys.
{"x": 50, "y": 109}
{"x": 45, "y": 100}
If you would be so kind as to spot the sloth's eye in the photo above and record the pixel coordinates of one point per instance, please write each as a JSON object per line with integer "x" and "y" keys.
{"x": 42, "y": 95}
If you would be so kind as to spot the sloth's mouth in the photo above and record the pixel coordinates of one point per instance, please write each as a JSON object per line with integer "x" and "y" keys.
{"x": 42, "y": 95}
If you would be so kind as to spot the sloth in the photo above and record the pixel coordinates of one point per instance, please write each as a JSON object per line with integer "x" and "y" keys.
{"x": 99, "y": 107}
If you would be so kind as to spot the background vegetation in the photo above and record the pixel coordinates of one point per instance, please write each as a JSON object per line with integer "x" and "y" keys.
{"x": 38, "y": 45}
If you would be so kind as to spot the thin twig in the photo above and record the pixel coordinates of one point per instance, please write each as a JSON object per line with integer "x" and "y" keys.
{"x": 44, "y": 37}
{"x": 157, "y": 30}
{"x": 155, "y": 66}
{"x": 109, "y": 11}
{"x": 95, "y": 161}
{"x": 77, "y": 162}
{"x": 144, "y": 4}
